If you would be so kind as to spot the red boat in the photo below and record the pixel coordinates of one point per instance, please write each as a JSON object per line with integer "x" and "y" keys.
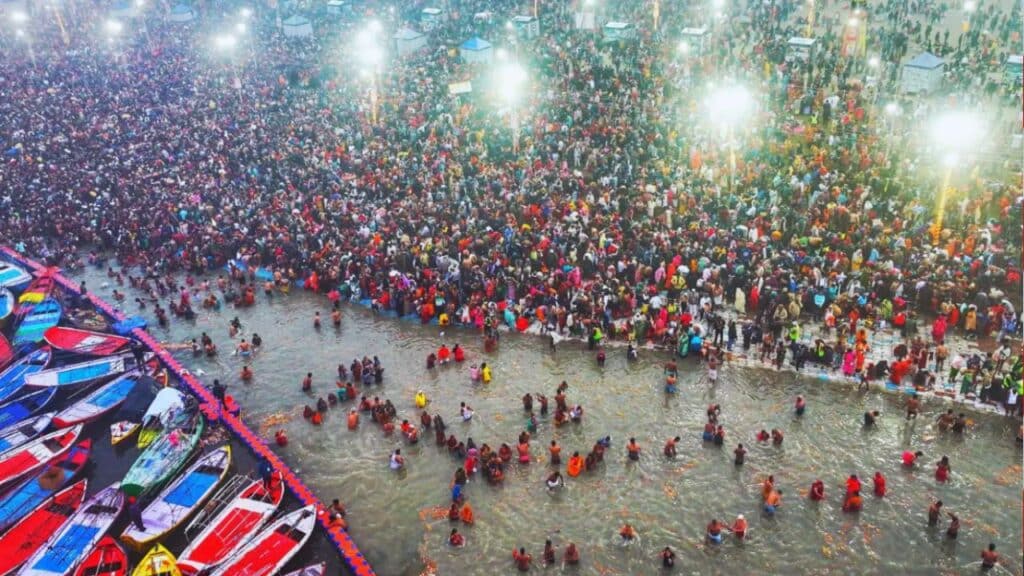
{"x": 272, "y": 548}
{"x": 84, "y": 341}
{"x": 32, "y": 456}
{"x": 232, "y": 526}
{"x": 35, "y": 529}
{"x": 107, "y": 558}
{"x": 6, "y": 352}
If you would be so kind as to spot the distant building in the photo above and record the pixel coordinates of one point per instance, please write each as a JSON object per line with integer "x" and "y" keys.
{"x": 923, "y": 74}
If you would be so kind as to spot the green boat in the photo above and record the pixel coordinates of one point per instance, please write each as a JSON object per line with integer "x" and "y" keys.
{"x": 166, "y": 456}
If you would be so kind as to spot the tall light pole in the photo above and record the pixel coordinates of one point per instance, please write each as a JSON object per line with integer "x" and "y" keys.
{"x": 727, "y": 107}
{"x": 954, "y": 133}
{"x": 225, "y": 44}
{"x": 20, "y": 21}
{"x": 512, "y": 79}
{"x": 370, "y": 55}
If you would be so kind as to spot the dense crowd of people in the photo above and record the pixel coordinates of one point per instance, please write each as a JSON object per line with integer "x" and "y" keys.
{"x": 616, "y": 213}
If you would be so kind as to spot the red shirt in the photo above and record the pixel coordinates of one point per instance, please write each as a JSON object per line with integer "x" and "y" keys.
{"x": 879, "y": 485}
{"x": 909, "y": 458}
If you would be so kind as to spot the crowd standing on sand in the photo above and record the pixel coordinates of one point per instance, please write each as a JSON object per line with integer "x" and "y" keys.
{"x": 616, "y": 218}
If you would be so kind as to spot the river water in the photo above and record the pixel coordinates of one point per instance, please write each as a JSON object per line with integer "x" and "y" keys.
{"x": 668, "y": 501}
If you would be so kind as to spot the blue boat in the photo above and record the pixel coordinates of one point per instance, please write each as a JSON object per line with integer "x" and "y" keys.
{"x": 26, "y": 431}
{"x": 37, "y": 320}
{"x": 102, "y": 400}
{"x": 83, "y": 372}
{"x": 32, "y": 492}
{"x": 7, "y": 303}
{"x": 13, "y": 277}
{"x": 77, "y": 536}
{"x": 15, "y": 411}
{"x": 12, "y": 380}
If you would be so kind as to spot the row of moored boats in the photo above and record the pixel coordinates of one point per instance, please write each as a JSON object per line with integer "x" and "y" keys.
{"x": 60, "y": 373}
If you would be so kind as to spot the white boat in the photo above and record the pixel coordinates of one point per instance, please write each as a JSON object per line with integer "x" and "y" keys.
{"x": 228, "y": 524}
{"x": 273, "y": 547}
{"x": 73, "y": 542}
{"x": 33, "y": 455}
{"x": 165, "y": 405}
{"x": 12, "y": 276}
{"x": 83, "y": 372}
{"x": 99, "y": 402}
{"x": 180, "y": 499}
{"x": 13, "y": 437}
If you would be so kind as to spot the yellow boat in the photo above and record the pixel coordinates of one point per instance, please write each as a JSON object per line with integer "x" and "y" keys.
{"x": 120, "y": 431}
{"x": 158, "y": 562}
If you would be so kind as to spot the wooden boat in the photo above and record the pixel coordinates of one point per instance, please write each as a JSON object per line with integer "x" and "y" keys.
{"x": 106, "y": 558}
{"x": 36, "y": 320}
{"x": 12, "y": 276}
{"x": 120, "y": 431}
{"x": 311, "y": 570}
{"x": 222, "y": 531}
{"x": 32, "y": 456}
{"x": 30, "y": 533}
{"x": 180, "y": 499}
{"x": 82, "y": 372}
{"x": 12, "y": 380}
{"x": 99, "y": 402}
{"x": 158, "y": 562}
{"x": 34, "y": 491}
{"x": 39, "y": 290}
{"x": 7, "y": 352}
{"x": 28, "y": 429}
{"x": 89, "y": 320}
{"x": 273, "y": 547}
{"x": 70, "y": 545}
{"x": 164, "y": 457}
{"x": 84, "y": 341}
{"x": 167, "y": 403}
{"x": 7, "y": 304}
{"x": 19, "y": 409}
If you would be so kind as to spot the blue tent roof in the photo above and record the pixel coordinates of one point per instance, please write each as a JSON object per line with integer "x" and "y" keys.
{"x": 926, "y": 60}
{"x": 475, "y": 43}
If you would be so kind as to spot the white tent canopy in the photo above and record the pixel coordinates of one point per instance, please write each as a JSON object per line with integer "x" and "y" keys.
{"x": 297, "y": 27}
{"x": 181, "y": 13}
{"x": 476, "y": 50}
{"x": 408, "y": 41}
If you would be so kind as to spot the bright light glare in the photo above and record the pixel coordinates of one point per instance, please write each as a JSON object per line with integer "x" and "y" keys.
{"x": 18, "y": 17}
{"x": 950, "y": 160}
{"x": 367, "y": 47}
{"x": 854, "y": 22}
{"x": 245, "y": 12}
{"x": 970, "y": 6}
{"x": 140, "y": 3}
{"x": 224, "y": 41}
{"x": 114, "y": 27}
{"x": 512, "y": 77}
{"x": 501, "y": 54}
{"x": 240, "y": 28}
{"x": 729, "y": 105}
{"x": 957, "y": 130}
{"x": 874, "y": 62}
{"x": 892, "y": 109}
{"x": 684, "y": 47}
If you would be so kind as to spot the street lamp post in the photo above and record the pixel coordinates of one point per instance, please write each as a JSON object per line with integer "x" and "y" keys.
{"x": 512, "y": 78}
{"x": 955, "y": 133}
{"x": 727, "y": 107}
{"x": 370, "y": 56}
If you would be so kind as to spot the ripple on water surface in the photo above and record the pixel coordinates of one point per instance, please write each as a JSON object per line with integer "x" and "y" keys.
{"x": 669, "y": 502}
